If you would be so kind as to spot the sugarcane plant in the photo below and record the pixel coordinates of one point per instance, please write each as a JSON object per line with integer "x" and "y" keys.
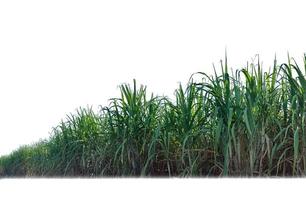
{"x": 247, "y": 122}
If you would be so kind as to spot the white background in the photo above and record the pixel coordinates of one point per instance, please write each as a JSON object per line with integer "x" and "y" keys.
{"x": 58, "y": 55}
{"x": 153, "y": 189}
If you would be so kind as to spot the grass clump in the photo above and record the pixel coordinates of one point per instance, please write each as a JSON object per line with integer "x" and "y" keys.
{"x": 249, "y": 122}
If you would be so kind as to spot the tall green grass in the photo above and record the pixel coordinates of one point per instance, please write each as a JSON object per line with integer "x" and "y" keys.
{"x": 247, "y": 122}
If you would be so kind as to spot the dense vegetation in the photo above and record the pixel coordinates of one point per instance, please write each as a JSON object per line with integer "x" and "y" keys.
{"x": 243, "y": 123}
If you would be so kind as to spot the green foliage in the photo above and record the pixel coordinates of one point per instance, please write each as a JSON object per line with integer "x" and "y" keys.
{"x": 249, "y": 123}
